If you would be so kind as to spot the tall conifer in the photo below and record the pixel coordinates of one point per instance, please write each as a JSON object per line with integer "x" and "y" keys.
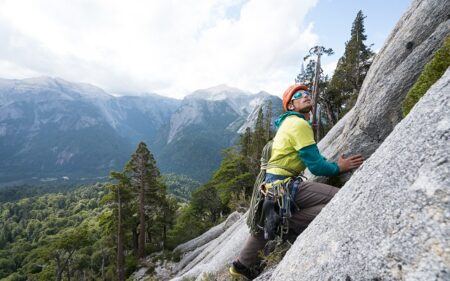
{"x": 121, "y": 196}
{"x": 144, "y": 174}
{"x": 352, "y": 67}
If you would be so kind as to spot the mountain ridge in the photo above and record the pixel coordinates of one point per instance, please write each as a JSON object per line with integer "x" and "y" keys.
{"x": 59, "y": 121}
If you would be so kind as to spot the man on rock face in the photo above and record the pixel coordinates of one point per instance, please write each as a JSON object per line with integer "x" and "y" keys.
{"x": 294, "y": 149}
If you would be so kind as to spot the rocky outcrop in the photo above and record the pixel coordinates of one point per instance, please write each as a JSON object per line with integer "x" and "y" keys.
{"x": 391, "y": 220}
{"x": 211, "y": 234}
{"x": 215, "y": 255}
{"x": 412, "y": 43}
{"x": 192, "y": 249}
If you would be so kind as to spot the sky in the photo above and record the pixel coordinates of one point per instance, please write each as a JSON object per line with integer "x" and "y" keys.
{"x": 174, "y": 47}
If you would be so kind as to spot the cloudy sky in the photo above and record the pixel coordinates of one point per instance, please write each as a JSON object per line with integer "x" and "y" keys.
{"x": 173, "y": 47}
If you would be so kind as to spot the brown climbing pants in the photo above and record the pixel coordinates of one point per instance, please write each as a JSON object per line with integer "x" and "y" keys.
{"x": 310, "y": 198}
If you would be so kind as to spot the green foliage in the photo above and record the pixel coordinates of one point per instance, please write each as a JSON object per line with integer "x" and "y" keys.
{"x": 187, "y": 226}
{"x": 352, "y": 67}
{"x": 252, "y": 143}
{"x": 45, "y": 237}
{"x": 140, "y": 213}
{"x": 306, "y": 76}
{"x": 131, "y": 264}
{"x": 16, "y": 276}
{"x": 276, "y": 254}
{"x": 206, "y": 204}
{"x": 38, "y": 230}
{"x": 50, "y": 236}
{"x": 329, "y": 101}
{"x": 180, "y": 185}
{"x": 145, "y": 180}
{"x": 431, "y": 73}
{"x": 229, "y": 189}
{"x": 233, "y": 176}
{"x": 11, "y": 193}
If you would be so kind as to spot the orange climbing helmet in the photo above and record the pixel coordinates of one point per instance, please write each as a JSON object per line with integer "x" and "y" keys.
{"x": 287, "y": 96}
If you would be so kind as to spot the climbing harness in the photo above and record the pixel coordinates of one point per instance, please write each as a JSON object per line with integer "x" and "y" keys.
{"x": 272, "y": 204}
{"x": 278, "y": 206}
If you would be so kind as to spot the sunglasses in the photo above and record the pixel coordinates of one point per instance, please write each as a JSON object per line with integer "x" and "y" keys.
{"x": 300, "y": 94}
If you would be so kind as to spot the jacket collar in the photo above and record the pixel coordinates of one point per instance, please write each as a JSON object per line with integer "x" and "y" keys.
{"x": 283, "y": 116}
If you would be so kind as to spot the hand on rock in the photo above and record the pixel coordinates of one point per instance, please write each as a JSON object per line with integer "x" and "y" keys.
{"x": 352, "y": 162}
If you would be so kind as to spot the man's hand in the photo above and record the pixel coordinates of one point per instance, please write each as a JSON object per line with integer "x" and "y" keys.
{"x": 352, "y": 162}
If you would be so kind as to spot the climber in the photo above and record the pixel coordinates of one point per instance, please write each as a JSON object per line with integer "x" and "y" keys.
{"x": 293, "y": 150}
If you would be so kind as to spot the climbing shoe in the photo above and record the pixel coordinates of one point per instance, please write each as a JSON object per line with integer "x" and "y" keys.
{"x": 240, "y": 271}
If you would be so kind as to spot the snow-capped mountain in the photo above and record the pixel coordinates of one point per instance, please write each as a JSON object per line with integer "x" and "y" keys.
{"x": 50, "y": 127}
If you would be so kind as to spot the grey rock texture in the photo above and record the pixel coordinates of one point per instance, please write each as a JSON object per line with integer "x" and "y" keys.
{"x": 211, "y": 234}
{"x": 391, "y": 220}
{"x": 217, "y": 254}
{"x": 412, "y": 43}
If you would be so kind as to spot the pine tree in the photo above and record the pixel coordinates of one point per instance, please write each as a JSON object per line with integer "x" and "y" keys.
{"x": 259, "y": 139}
{"x": 245, "y": 142}
{"x": 268, "y": 122}
{"x": 301, "y": 76}
{"x": 121, "y": 196}
{"x": 306, "y": 75}
{"x": 330, "y": 102}
{"x": 144, "y": 174}
{"x": 169, "y": 207}
{"x": 353, "y": 66}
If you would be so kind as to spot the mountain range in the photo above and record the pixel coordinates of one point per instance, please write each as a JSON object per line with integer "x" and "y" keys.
{"x": 54, "y": 129}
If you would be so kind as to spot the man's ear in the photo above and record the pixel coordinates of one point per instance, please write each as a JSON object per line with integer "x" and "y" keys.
{"x": 290, "y": 106}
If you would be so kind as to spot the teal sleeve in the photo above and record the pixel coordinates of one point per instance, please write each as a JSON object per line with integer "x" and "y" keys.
{"x": 316, "y": 163}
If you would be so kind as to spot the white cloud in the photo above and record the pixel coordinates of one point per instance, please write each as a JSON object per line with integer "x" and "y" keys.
{"x": 328, "y": 68}
{"x": 169, "y": 47}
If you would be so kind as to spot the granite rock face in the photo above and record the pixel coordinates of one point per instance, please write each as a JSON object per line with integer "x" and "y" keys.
{"x": 410, "y": 46}
{"x": 211, "y": 234}
{"x": 215, "y": 255}
{"x": 391, "y": 220}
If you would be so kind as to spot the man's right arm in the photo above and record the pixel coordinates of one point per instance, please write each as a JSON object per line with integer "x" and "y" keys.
{"x": 319, "y": 166}
{"x": 316, "y": 163}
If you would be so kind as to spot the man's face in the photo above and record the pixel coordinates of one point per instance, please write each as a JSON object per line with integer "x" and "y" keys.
{"x": 302, "y": 104}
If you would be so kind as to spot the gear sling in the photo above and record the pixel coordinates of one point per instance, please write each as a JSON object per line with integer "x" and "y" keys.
{"x": 272, "y": 204}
